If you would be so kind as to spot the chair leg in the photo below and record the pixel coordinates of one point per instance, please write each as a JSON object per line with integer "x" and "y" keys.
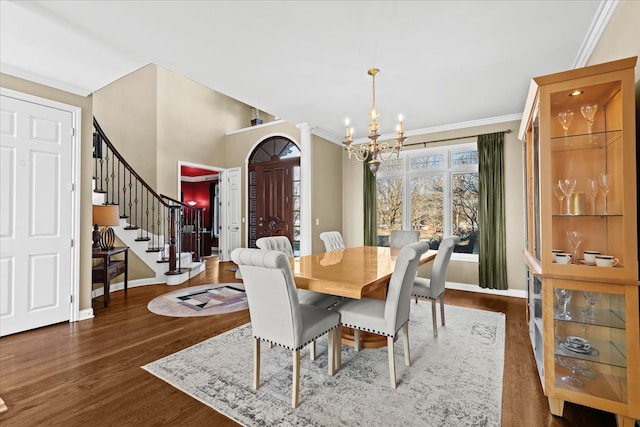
{"x": 270, "y": 344}
{"x": 295, "y": 387}
{"x": 434, "y": 317}
{"x": 256, "y": 363}
{"x": 442, "y": 308}
{"x": 356, "y": 339}
{"x": 392, "y": 362}
{"x": 331, "y": 352}
{"x": 338, "y": 348}
{"x": 405, "y": 339}
{"x": 312, "y": 350}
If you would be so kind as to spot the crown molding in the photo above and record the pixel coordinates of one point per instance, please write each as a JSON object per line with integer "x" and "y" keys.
{"x": 43, "y": 80}
{"x": 592, "y": 38}
{"x": 426, "y": 131}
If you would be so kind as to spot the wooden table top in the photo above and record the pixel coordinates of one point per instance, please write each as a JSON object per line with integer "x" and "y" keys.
{"x": 350, "y": 272}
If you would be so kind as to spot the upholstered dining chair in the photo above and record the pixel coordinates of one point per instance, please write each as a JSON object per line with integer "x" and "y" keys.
{"x": 401, "y": 238}
{"x": 282, "y": 244}
{"x": 387, "y": 317}
{"x": 277, "y": 316}
{"x": 332, "y": 240}
{"x": 433, "y": 288}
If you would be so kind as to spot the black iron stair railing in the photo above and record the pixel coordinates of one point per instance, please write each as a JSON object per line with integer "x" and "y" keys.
{"x": 159, "y": 221}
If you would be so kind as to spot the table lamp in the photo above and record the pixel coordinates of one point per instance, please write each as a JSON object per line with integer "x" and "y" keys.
{"x": 105, "y": 216}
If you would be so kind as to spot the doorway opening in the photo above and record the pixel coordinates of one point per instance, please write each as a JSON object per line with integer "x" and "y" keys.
{"x": 199, "y": 187}
{"x": 274, "y": 191}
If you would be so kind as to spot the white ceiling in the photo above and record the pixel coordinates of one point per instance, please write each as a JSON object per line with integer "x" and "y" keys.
{"x": 443, "y": 63}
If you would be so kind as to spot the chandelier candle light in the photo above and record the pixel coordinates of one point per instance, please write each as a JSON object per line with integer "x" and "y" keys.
{"x": 377, "y": 152}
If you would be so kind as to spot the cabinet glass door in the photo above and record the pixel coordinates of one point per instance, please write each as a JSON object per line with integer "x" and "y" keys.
{"x": 586, "y": 174}
{"x": 589, "y": 343}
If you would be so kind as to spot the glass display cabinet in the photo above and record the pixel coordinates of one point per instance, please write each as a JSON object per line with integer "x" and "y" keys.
{"x": 582, "y": 237}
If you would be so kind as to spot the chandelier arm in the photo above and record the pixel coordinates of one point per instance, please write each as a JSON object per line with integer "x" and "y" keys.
{"x": 360, "y": 152}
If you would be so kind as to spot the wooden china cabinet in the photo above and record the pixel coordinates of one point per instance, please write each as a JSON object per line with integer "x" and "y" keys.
{"x": 579, "y": 131}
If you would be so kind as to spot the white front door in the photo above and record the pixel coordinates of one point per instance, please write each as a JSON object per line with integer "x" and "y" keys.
{"x": 36, "y": 214}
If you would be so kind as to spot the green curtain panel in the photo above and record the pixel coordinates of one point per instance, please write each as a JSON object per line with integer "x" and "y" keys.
{"x": 492, "y": 246}
{"x": 369, "y": 193}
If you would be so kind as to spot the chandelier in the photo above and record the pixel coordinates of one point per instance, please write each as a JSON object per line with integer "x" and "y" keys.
{"x": 376, "y": 152}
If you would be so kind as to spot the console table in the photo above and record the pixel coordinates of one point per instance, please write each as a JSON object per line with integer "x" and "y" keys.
{"x": 110, "y": 268}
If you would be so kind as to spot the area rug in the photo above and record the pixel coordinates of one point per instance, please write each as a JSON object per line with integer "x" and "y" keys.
{"x": 454, "y": 379}
{"x": 202, "y": 300}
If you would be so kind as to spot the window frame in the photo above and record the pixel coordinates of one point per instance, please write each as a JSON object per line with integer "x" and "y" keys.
{"x": 446, "y": 171}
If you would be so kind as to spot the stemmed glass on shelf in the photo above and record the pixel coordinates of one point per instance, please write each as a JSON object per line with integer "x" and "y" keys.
{"x": 575, "y": 238}
{"x": 590, "y": 299}
{"x": 588, "y": 112}
{"x": 565, "y": 118}
{"x": 567, "y": 186}
{"x": 563, "y": 296}
{"x": 603, "y": 180}
{"x": 592, "y": 184}
{"x": 559, "y": 194}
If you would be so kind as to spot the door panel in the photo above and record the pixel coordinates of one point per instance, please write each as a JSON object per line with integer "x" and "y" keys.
{"x": 36, "y": 155}
{"x": 273, "y": 199}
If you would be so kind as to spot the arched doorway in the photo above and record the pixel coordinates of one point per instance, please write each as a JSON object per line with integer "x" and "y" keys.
{"x": 274, "y": 191}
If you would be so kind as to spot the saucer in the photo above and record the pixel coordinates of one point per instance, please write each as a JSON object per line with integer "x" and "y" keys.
{"x": 585, "y": 262}
{"x": 589, "y": 351}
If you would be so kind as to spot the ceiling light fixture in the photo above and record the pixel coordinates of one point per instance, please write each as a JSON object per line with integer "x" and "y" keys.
{"x": 376, "y": 152}
{"x": 576, "y": 93}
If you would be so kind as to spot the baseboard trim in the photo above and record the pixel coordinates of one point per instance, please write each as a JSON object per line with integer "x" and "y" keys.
{"x": 118, "y": 286}
{"x": 85, "y": 314}
{"x": 516, "y": 293}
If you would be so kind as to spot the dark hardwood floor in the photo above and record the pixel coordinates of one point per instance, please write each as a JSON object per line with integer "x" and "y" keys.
{"x": 88, "y": 373}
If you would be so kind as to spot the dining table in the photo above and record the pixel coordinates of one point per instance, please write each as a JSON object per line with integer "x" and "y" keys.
{"x": 356, "y": 272}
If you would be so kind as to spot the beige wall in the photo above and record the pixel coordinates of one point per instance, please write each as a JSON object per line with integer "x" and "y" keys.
{"x": 461, "y": 272}
{"x": 126, "y": 110}
{"x": 621, "y": 38}
{"x": 326, "y": 183}
{"x": 191, "y": 126}
{"x": 86, "y": 170}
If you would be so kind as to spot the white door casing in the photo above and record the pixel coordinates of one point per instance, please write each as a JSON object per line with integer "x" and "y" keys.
{"x": 38, "y": 212}
{"x": 232, "y": 199}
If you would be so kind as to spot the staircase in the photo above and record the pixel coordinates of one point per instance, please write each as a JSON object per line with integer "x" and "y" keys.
{"x": 150, "y": 224}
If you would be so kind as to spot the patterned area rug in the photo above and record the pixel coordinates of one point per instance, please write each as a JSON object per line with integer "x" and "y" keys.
{"x": 203, "y": 300}
{"x": 454, "y": 379}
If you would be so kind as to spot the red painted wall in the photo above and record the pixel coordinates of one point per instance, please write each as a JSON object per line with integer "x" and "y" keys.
{"x": 198, "y": 192}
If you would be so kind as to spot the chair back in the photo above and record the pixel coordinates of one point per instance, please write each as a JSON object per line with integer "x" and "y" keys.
{"x": 396, "y": 310}
{"x": 441, "y": 263}
{"x": 401, "y": 238}
{"x": 276, "y": 243}
{"x": 272, "y": 296}
{"x": 332, "y": 240}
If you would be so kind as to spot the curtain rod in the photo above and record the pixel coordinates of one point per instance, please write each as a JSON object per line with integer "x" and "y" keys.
{"x": 450, "y": 139}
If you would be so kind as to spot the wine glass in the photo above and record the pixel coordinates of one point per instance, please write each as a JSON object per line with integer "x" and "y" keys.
{"x": 565, "y": 118}
{"x": 563, "y": 296}
{"x": 573, "y": 367}
{"x": 590, "y": 299}
{"x": 588, "y": 112}
{"x": 592, "y": 184}
{"x": 603, "y": 180}
{"x": 575, "y": 238}
{"x": 567, "y": 186}
{"x": 559, "y": 194}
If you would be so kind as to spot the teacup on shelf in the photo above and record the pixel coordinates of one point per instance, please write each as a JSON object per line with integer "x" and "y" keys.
{"x": 578, "y": 343}
{"x": 563, "y": 258}
{"x": 606, "y": 260}
{"x": 554, "y": 252}
{"x": 590, "y": 256}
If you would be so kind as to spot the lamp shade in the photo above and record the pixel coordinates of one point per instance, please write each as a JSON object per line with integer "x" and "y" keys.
{"x": 106, "y": 215}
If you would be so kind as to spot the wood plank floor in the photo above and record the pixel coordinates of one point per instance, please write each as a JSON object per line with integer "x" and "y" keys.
{"x": 88, "y": 373}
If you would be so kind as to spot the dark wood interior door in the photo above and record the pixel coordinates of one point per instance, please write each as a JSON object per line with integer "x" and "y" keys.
{"x": 274, "y": 208}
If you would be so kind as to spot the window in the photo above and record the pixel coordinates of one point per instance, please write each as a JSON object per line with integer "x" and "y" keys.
{"x": 435, "y": 191}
